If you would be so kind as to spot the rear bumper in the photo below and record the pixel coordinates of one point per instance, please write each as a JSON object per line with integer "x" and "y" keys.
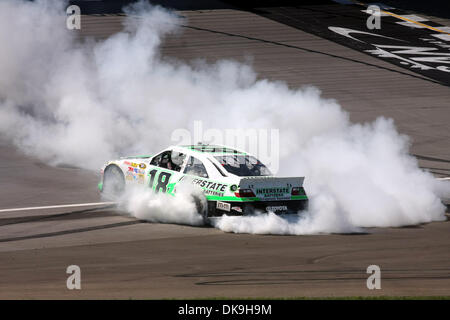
{"x": 246, "y": 208}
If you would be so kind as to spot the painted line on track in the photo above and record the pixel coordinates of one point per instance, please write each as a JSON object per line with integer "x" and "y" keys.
{"x": 93, "y": 204}
{"x": 415, "y": 22}
{"x": 60, "y": 206}
{"x": 404, "y": 18}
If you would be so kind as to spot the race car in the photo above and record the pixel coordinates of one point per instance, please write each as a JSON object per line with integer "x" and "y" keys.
{"x": 231, "y": 181}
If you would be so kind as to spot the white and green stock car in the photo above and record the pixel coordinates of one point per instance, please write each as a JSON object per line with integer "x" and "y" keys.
{"x": 233, "y": 182}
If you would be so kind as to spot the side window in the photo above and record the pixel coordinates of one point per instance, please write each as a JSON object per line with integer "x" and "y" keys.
{"x": 171, "y": 160}
{"x": 176, "y": 160}
{"x": 195, "y": 167}
{"x": 157, "y": 159}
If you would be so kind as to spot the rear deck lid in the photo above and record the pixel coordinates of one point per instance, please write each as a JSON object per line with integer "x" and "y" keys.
{"x": 271, "y": 188}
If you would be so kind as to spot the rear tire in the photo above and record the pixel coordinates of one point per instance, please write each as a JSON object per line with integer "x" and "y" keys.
{"x": 202, "y": 207}
{"x": 113, "y": 182}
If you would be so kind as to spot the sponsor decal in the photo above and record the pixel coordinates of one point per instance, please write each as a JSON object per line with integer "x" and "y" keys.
{"x": 210, "y": 187}
{"x": 276, "y": 208}
{"x": 223, "y": 206}
{"x": 213, "y": 193}
{"x": 127, "y": 163}
{"x": 272, "y": 192}
{"x": 129, "y": 176}
{"x": 142, "y": 166}
{"x": 136, "y": 170}
{"x": 132, "y": 176}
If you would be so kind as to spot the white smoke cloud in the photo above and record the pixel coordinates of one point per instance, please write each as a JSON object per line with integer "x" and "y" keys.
{"x": 146, "y": 205}
{"x": 82, "y": 103}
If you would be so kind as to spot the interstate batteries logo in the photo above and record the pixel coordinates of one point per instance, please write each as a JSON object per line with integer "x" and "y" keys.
{"x": 210, "y": 187}
{"x": 272, "y": 192}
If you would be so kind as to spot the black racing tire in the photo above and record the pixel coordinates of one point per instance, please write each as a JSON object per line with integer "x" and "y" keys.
{"x": 202, "y": 207}
{"x": 113, "y": 182}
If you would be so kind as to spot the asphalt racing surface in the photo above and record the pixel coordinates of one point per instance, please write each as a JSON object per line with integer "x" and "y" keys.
{"x": 121, "y": 257}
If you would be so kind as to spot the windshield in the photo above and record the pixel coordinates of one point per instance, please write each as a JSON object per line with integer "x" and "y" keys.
{"x": 242, "y": 165}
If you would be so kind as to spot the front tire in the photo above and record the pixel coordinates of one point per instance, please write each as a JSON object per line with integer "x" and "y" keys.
{"x": 113, "y": 182}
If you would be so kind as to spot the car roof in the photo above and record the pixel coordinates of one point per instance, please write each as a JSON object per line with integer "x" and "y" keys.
{"x": 206, "y": 153}
{"x": 199, "y": 150}
{"x": 210, "y": 150}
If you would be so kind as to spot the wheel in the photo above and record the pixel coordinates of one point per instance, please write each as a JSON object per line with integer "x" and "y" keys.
{"x": 202, "y": 207}
{"x": 113, "y": 182}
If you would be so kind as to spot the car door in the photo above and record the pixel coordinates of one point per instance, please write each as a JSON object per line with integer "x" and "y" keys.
{"x": 197, "y": 174}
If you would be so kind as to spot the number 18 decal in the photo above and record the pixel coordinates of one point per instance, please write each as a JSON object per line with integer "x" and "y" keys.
{"x": 163, "y": 180}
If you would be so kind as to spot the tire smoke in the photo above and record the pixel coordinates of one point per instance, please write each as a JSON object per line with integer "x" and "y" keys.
{"x": 163, "y": 208}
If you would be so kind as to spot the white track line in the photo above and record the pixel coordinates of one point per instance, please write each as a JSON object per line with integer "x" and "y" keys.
{"x": 59, "y": 206}
{"x": 88, "y": 204}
